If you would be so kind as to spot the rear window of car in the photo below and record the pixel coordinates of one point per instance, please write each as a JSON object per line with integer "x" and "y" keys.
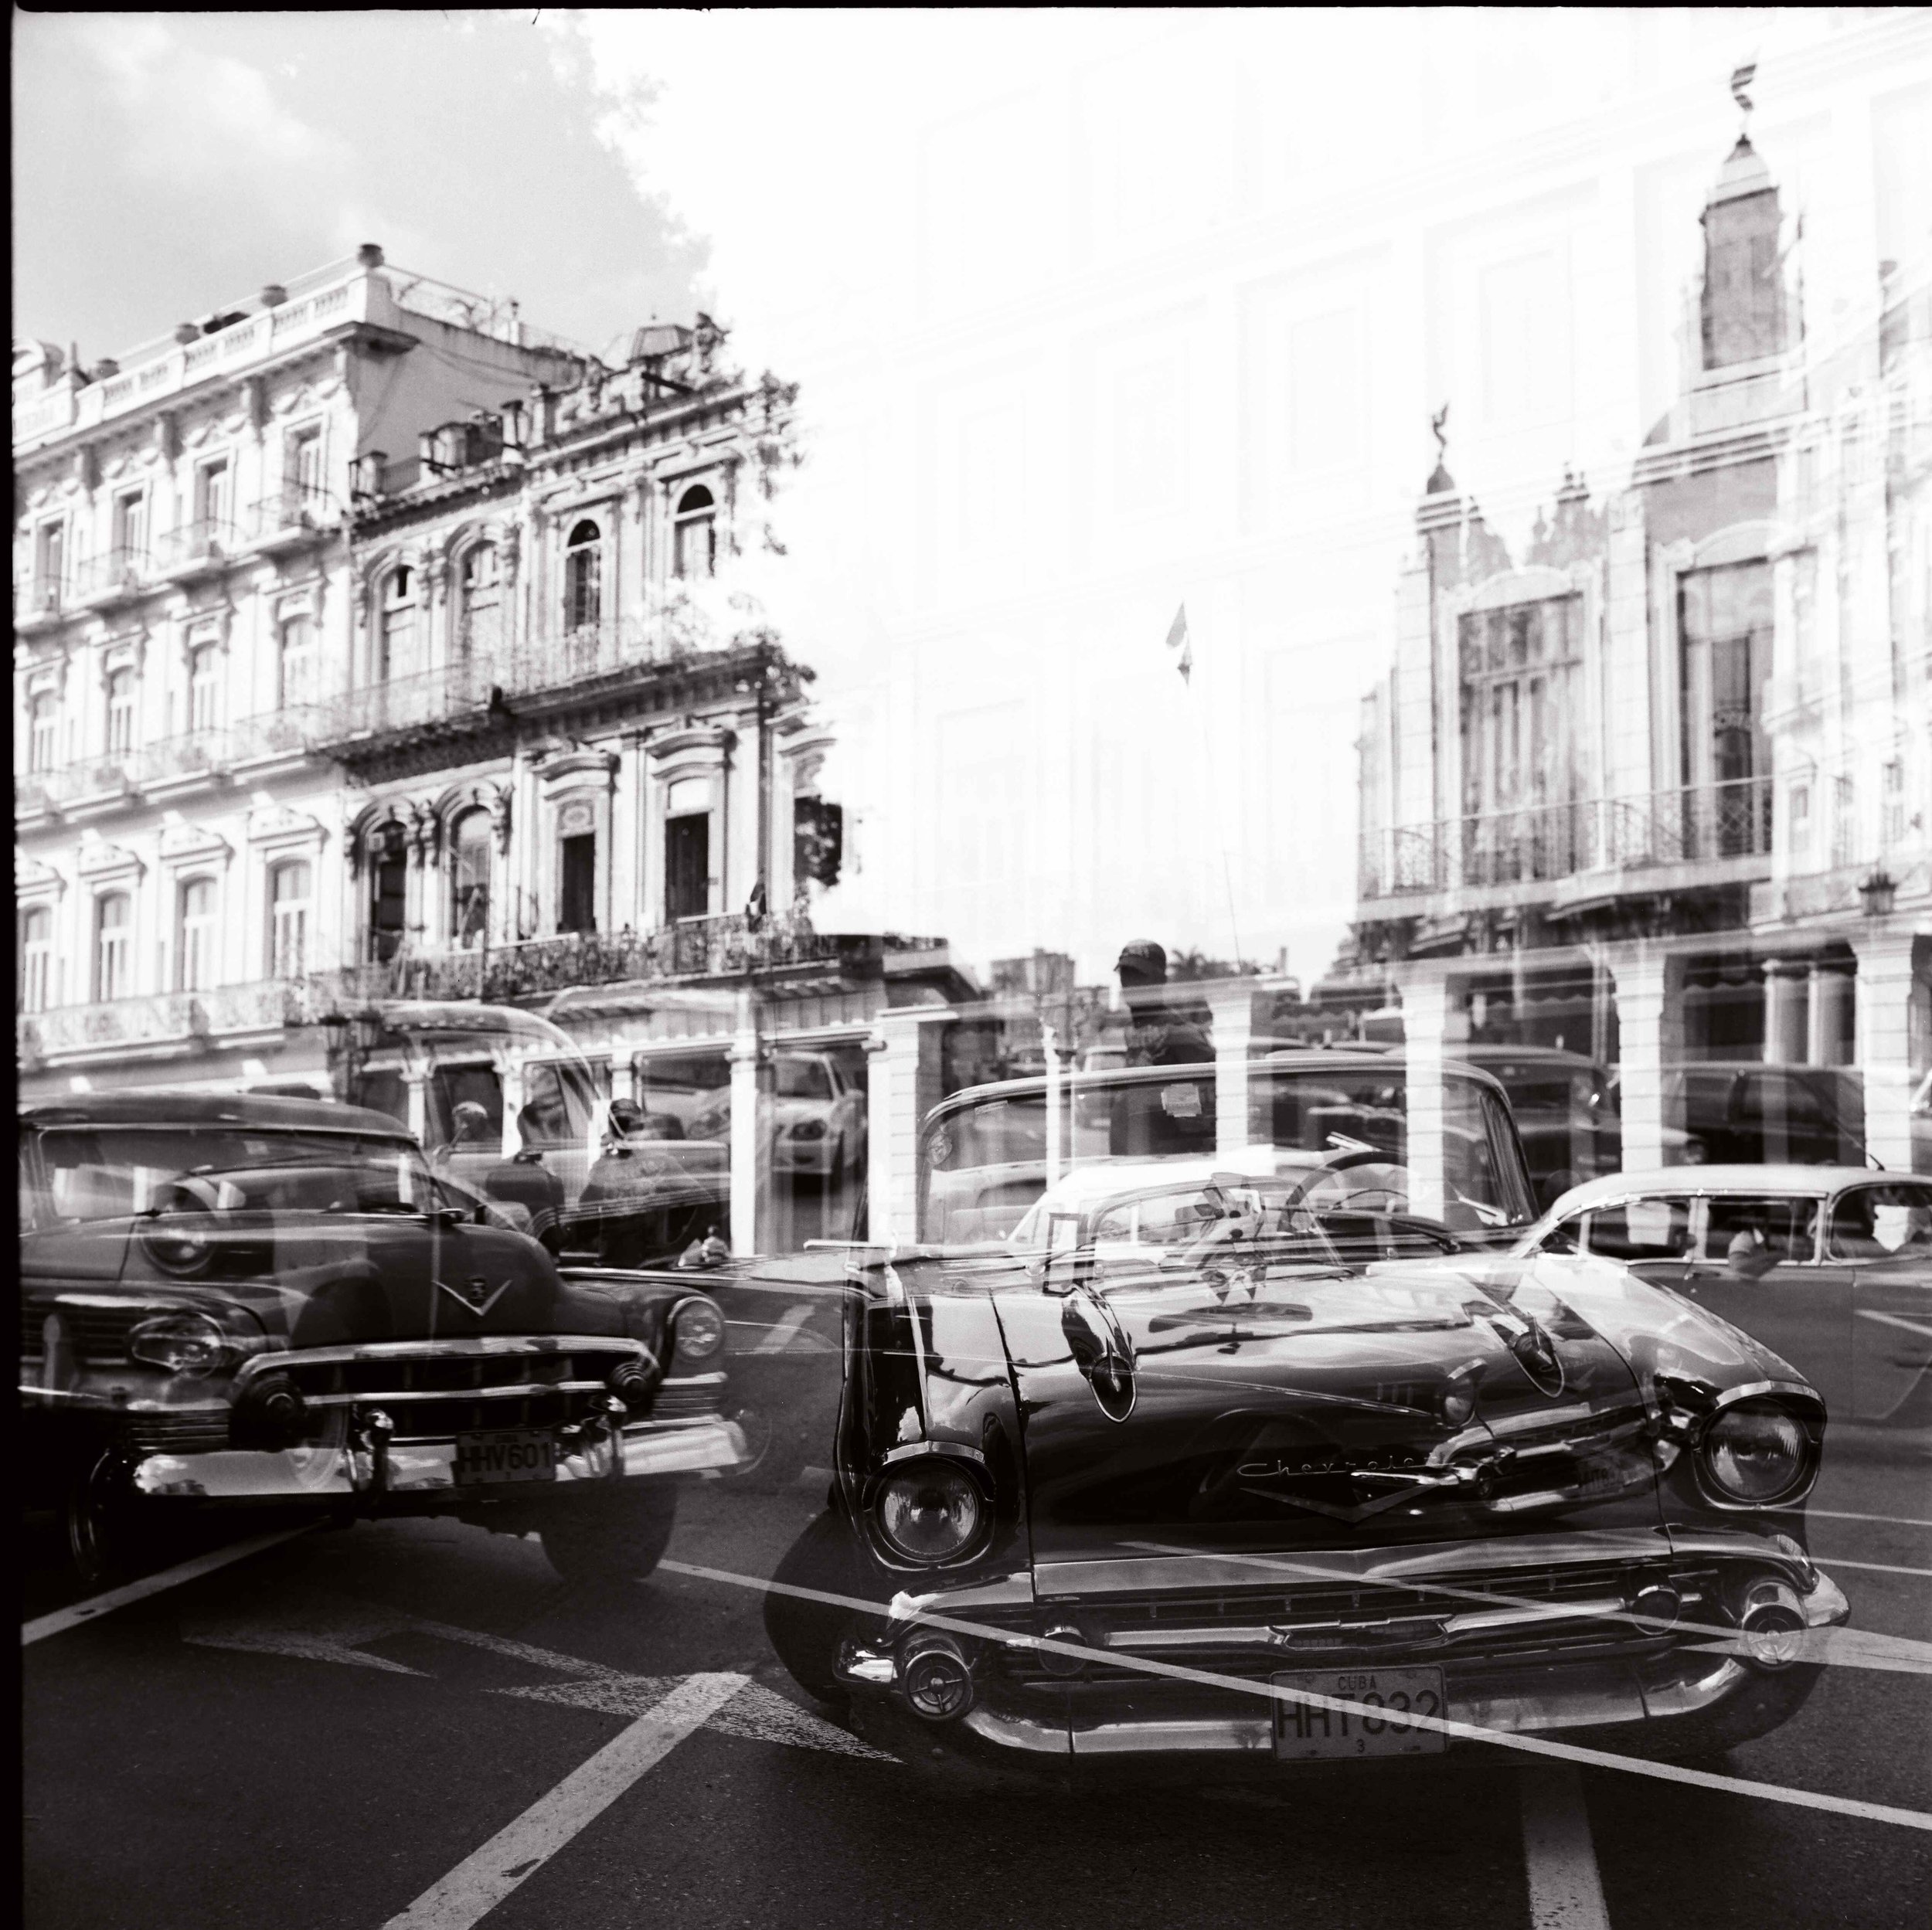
{"x": 1785, "y": 1224}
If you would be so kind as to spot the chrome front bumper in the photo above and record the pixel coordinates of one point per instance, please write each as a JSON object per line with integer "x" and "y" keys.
{"x": 409, "y": 1472}
{"x": 1695, "y": 1677}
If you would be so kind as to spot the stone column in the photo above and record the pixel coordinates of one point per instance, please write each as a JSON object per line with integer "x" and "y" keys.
{"x": 1832, "y": 1010}
{"x": 1232, "y": 1009}
{"x": 746, "y": 1130}
{"x": 1884, "y": 1013}
{"x": 903, "y": 1086}
{"x": 1650, "y": 1026}
{"x": 1425, "y": 1022}
{"x": 1785, "y": 981}
{"x": 511, "y": 1070}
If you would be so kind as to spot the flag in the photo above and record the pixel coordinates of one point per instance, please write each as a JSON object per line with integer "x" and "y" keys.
{"x": 1178, "y": 639}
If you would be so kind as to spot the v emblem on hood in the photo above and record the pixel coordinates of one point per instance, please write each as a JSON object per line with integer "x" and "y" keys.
{"x": 474, "y": 1296}
{"x": 1350, "y": 1515}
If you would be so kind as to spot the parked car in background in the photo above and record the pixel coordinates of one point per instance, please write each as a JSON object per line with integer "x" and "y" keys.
{"x": 1830, "y": 1267}
{"x": 1171, "y": 1460}
{"x": 817, "y": 1115}
{"x": 984, "y": 1156}
{"x": 229, "y": 1302}
{"x": 1729, "y": 1112}
{"x": 1565, "y": 1108}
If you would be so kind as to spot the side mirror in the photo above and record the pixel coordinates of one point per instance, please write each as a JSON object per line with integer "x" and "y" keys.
{"x": 450, "y": 1218}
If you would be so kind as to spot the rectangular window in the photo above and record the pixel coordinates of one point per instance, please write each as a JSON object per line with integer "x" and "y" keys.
{"x": 687, "y": 866}
{"x": 43, "y": 740}
{"x": 289, "y": 898}
{"x": 302, "y": 468}
{"x": 130, "y": 528}
{"x": 295, "y": 664}
{"x": 1844, "y": 821}
{"x": 1893, "y": 828}
{"x": 195, "y": 936}
{"x": 577, "y": 893}
{"x": 204, "y": 688}
{"x": 37, "y": 958}
{"x": 121, "y": 713}
{"x": 49, "y": 565}
{"x": 113, "y": 946}
{"x": 212, "y": 498}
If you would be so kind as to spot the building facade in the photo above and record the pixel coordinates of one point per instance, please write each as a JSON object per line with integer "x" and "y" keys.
{"x": 1655, "y": 788}
{"x": 367, "y": 642}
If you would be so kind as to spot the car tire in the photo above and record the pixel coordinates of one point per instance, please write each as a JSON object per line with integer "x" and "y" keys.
{"x": 108, "y": 1537}
{"x": 804, "y": 1634}
{"x": 620, "y": 1536}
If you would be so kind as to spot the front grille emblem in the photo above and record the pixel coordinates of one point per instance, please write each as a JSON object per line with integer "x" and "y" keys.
{"x": 475, "y": 1294}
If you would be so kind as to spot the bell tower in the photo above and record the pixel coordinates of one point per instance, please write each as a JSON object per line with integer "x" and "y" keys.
{"x": 1743, "y": 308}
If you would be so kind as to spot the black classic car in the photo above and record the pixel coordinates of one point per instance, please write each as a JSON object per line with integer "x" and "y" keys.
{"x": 235, "y": 1301}
{"x": 1181, "y": 1483}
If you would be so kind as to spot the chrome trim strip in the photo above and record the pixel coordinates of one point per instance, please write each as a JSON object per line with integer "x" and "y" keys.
{"x": 390, "y": 1396}
{"x": 1283, "y": 1635}
{"x": 455, "y": 1346}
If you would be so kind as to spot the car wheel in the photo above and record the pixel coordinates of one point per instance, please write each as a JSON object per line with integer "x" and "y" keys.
{"x": 619, "y": 1537}
{"x": 806, "y": 1634}
{"x": 108, "y": 1538}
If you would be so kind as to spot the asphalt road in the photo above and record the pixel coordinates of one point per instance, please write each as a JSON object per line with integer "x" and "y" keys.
{"x": 417, "y": 1724}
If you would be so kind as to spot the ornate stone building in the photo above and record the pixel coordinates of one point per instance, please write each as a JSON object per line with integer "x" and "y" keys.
{"x": 1657, "y": 791}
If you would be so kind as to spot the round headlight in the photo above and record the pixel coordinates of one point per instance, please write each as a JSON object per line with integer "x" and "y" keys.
{"x": 177, "y": 1244}
{"x": 186, "y": 1344}
{"x": 1756, "y": 1453}
{"x": 931, "y": 1513}
{"x": 700, "y": 1329}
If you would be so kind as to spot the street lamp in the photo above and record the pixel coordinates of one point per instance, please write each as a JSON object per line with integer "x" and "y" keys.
{"x": 1875, "y": 894}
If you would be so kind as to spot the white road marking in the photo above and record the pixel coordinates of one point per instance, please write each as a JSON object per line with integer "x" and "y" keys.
{"x": 1558, "y": 1857}
{"x": 478, "y": 1884}
{"x": 786, "y": 1331}
{"x": 1875, "y": 1568}
{"x": 1838, "y": 1514}
{"x": 1896, "y": 1319}
{"x": 1526, "y": 1744}
{"x": 323, "y": 1629}
{"x": 95, "y": 1606}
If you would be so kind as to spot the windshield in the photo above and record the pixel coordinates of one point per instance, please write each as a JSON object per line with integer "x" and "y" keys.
{"x": 986, "y": 1160}
{"x": 71, "y": 1175}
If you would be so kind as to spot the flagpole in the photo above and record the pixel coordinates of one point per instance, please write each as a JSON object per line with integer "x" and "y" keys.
{"x": 1178, "y": 637}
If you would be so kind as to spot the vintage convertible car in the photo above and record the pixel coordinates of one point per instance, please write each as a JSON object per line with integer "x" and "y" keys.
{"x": 236, "y": 1301}
{"x": 1116, "y": 1505}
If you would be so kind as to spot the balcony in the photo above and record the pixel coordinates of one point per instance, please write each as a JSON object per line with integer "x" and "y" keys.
{"x": 1498, "y": 854}
{"x": 37, "y": 606}
{"x": 114, "y": 574}
{"x": 698, "y": 948}
{"x": 198, "y": 548}
{"x": 162, "y": 1025}
{"x": 168, "y": 765}
{"x": 296, "y": 513}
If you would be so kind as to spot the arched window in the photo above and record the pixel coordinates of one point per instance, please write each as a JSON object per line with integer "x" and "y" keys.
{"x": 583, "y": 576}
{"x": 195, "y": 936}
{"x": 295, "y": 668}
{"x": 395, "y": 652}
{"x": 291, "y": 889}
{"x": 36, "y": 958}
{"x": 388, "y": 892}
{"x": 121, "y": 713}
{"x": 43, "y": 732}
{"x": 469, "y": 879}
{"x": 114, "y": 934}
{"x": 482, "y": 587}
{"x": 694, "y": 535}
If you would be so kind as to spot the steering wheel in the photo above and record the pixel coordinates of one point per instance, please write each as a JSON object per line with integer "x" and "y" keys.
{"x": 1341, "y": 1162}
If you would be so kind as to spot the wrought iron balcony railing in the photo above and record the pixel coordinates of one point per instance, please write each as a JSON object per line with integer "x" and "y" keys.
{"x": 207, "y": 540}
{"x": 725, "y": 947}
{"x": 295, "y": 509}
{"x": 1549, "y": 842}
{"x": 163, "y": 1018}
{"x": 114, "y": 572}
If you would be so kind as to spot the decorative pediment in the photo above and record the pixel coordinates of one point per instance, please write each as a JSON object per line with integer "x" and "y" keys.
{"x": 182, "y": 842}
{"x": 33, "y": 877}
{"x": 283, "y": 823}
{"x": 100, "y": 859}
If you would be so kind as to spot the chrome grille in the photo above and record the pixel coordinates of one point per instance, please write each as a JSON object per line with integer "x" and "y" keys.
{"x": 196, "y": 1431}
{"x": 1502, "y": 1614}
{"x": 691, "y": 1400}
{"x": 433, "y": 1390}
{"x": 97, "y": 1334}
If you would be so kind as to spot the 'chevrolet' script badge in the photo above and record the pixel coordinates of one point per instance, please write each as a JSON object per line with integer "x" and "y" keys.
{"x": 476, "y": 1293}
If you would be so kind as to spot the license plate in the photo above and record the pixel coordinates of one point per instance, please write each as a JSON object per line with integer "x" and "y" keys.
{"x": 504, "y": 1455}
{"x": 1303, "y": 1732}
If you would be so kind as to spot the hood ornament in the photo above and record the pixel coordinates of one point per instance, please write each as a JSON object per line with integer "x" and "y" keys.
{"x": 474, "y": 1295}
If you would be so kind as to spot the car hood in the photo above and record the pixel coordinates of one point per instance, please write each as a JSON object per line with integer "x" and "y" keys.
{"x": 1300, "y": 1408}
{"x": 316, "y": 1280}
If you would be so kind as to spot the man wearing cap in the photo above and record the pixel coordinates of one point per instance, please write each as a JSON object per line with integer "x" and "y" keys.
{"x": 1146, "y": 1118}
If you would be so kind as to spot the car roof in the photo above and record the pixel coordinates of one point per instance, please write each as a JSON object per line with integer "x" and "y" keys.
{"x": 161, "y": 1105}
{"x": 1715, "y": 1179}
{"x": 1120, "y": 1179}
{"x": 1317, "y": 1058}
